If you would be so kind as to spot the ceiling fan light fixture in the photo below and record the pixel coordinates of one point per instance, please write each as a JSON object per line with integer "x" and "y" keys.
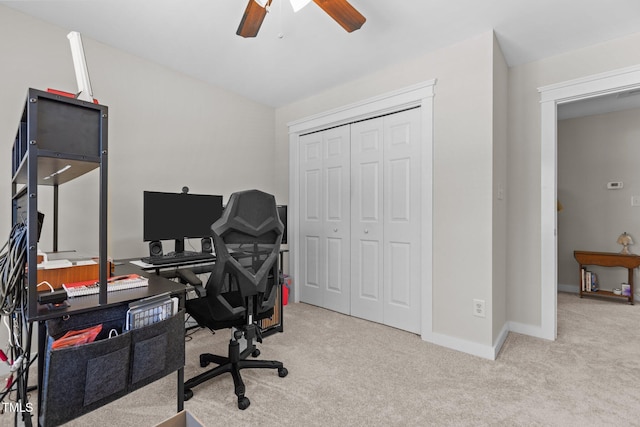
{"x": 339, "y": 10}
{"x": 298, "y": 4}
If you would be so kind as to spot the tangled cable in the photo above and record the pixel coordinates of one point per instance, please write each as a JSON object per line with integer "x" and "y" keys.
{"x": 13, "y": 258}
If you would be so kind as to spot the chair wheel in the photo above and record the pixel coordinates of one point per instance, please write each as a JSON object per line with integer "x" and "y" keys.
{"x": 282, "y": 372}
{"x": 243, "y": 403}
{"x": 188, "y": 394}
{"x": 256, "y": 352}
{"x": 203, "y": 361}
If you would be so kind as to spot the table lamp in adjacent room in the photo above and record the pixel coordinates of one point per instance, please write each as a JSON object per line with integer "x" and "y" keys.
{"x": 625, "y": 240}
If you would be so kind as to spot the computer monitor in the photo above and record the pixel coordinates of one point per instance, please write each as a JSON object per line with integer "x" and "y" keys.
{"x": 176, "y": 216}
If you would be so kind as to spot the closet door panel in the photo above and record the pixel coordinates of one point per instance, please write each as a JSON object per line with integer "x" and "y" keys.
{"x": 311, "y": 264}
{"x": 334, "y": 256}
{"x": 401, "y": 220}
{"x": 368, "y": 286}
{"x": 366, "y": 219}
{"x": 399, "y": 274}
{"x": 336, "y": 212}
{"x": 311, "y": 232}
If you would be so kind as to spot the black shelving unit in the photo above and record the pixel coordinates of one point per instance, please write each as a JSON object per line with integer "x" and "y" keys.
{"x": 59, "y": 139}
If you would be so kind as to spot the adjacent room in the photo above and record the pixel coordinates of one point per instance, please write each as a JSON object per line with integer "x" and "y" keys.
{"x": 391, "y": 206}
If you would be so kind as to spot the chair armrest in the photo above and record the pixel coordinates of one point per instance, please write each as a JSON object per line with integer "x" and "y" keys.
{"x": 188, "y": 276}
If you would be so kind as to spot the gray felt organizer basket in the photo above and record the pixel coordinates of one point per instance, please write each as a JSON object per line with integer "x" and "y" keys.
{"x": 82, "y": 378}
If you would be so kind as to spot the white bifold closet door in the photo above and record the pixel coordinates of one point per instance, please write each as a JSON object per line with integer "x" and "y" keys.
{"x": 325, "y": 219}
{"x": 385, "y": 220}
{"x": 360, "y": 219}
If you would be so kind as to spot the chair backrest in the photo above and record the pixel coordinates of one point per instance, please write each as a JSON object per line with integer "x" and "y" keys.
{"x": 247, "y": 241}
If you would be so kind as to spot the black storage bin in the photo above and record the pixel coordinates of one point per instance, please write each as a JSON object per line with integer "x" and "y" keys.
{"x": 80, "y": 379}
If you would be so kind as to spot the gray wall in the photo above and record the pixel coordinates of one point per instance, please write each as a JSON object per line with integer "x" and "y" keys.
{"x": 500, "y": 190}
{"x": 463, "y": 187}
{"x": 593, "y": 151}
{"x": 166, "y": 130}
{"x": 524, "y": 164}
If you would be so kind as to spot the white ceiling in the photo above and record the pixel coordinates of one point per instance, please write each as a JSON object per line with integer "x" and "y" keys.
{"x": 198, "y": 37}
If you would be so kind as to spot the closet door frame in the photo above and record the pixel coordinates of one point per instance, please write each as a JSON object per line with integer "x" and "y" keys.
{"x": 419, "y": 95}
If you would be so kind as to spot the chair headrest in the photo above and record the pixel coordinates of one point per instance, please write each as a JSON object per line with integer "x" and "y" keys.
{"x": 252, "y": 213}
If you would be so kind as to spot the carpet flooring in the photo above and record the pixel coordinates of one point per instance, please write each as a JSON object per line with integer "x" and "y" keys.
{"x": 345, "y": 371}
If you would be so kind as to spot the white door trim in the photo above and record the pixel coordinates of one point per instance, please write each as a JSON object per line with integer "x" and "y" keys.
{"x": 419, "y": 95}
{"x": 550, "y": 97}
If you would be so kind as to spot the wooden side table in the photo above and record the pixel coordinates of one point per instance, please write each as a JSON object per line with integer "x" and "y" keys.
{"x": 608, "y": 259}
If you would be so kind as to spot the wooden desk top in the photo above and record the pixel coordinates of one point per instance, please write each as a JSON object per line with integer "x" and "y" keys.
{"x": 607, "y": 259}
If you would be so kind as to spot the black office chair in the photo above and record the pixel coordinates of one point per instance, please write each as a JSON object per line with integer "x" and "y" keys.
{"x": 242, "y": 287}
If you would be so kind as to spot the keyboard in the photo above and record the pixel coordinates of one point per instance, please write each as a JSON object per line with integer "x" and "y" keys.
{"x": 176, "y": 258}
{"x": 118, "y": 283}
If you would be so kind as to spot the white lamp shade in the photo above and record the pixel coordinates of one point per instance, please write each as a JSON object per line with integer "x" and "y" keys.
{"x": 298, "y": 4}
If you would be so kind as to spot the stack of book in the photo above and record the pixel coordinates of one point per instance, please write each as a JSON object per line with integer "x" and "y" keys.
{"x": 589, "y": 281}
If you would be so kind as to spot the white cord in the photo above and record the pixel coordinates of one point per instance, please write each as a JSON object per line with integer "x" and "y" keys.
{"x": 45, "y": 283}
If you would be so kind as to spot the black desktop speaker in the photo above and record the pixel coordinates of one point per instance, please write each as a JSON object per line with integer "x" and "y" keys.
{"x": 206, "y": 245}
{"x": 155, "y": 248}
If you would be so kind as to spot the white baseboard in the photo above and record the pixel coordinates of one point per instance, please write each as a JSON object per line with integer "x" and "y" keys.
{"x": 469, "y": 347}
{"x": 572, "y": 289}
{"x": 500, "y": 340}
{"x": 524, "y": 329}
{"x": 491, "y": 352}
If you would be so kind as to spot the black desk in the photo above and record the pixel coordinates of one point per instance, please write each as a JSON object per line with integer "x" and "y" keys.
{"x": 157, "y": 285}
{"x": 267, "y": 326}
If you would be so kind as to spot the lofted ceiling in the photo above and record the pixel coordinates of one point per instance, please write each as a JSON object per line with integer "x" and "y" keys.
{"x": 297, "y": 55}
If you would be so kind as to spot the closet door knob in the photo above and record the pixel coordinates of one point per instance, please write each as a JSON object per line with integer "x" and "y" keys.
{"x": 366, "y": 231}
{"x": 335, "y": 230}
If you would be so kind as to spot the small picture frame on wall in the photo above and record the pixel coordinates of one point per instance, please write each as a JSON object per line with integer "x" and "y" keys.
{"x": 626, "y": 289}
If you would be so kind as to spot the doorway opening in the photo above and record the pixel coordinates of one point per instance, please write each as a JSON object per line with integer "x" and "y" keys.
{"x": 552, "y": 96}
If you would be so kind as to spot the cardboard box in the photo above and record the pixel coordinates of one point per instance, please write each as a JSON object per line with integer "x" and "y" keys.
{"x": 181, "y": 419}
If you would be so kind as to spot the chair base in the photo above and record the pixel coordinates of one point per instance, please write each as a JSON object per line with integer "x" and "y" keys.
{"x": 232, "y": 365}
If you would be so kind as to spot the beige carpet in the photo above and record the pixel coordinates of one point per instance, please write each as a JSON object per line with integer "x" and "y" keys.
{"x": 345, "y": 371}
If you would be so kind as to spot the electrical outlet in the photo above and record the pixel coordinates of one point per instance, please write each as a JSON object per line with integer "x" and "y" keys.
{"x": 635, "y": 200}
{"x": 478, "y": 308}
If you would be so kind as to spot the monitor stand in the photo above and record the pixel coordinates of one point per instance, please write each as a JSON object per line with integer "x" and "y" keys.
{"x": 179, "y": 246}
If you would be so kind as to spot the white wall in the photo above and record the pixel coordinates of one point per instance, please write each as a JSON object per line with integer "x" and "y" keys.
{"x": 592, "y": 151}
{"x": 166, "y": 130}
{"x": 463, "y": 174}
{"x": 523, "y": 202}
{"x": 500, "y": 107}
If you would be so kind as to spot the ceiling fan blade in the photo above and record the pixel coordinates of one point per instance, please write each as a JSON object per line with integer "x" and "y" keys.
{"x": 343, "y": 13}
{"x": 252, "y": 19}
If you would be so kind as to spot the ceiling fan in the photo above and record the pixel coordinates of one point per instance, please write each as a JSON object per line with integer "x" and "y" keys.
{"x": 340, "y": 10}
